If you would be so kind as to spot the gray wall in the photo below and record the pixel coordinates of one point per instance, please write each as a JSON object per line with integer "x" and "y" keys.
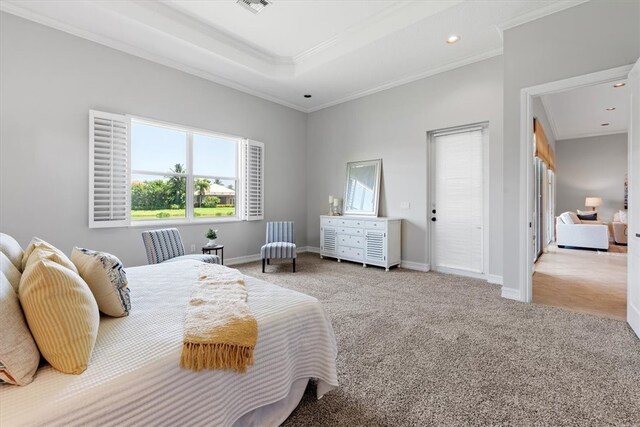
{"x": 393, "y": 125}
{"x": 49, "y": 81}
{"x": 593, "y": 166}
{"x": 591, "y": 37}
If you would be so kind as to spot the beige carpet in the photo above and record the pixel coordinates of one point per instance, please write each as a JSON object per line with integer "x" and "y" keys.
{"x": 421, "y": 349}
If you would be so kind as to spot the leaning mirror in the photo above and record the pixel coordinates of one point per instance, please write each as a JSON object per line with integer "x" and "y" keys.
{"x": 363, "y": 188}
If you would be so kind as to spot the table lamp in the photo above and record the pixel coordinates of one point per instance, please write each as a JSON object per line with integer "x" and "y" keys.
{"x": 593, "y": 202}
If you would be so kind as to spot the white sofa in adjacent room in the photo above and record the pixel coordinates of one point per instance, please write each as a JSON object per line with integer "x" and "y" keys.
{"x": 572, "y": 232}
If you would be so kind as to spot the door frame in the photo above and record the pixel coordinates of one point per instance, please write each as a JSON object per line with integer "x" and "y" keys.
{"x": 485, "y": 200}
{"x": 526, "y": 163}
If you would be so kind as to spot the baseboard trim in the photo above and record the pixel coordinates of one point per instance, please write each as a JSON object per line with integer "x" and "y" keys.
{"x": 256, "y": 257}
{"x": 418, "y": 266}
{"x": 513, "y": 294}
{"x": 312, "y": 249}
{"x": 633, "y": 317}
{"x": 494, "y": 279}
{"x": 242, "y": 259}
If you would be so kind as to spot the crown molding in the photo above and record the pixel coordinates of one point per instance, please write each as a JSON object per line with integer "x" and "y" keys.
{"x": 590, "y": 135}
{"x": 142, "y": 53}
{"x": 411, "y": 78}
{"x": 552, "y": 8}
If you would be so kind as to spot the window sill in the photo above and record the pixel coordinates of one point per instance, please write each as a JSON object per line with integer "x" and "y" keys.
{"x": 156, "y": 223}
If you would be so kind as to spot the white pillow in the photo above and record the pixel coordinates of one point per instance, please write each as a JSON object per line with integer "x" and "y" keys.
{"x": 574, "y": 218}
{"x": 106, "y": 278}
{"x": 10, "y": 271}
{"x": 11, "y": 249}
{"x": 19, "y": 355}
{"x": 566, "y": 218}
{"x": 622, "y": 215}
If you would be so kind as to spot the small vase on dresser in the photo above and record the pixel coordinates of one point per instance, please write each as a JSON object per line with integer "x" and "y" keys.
{"x": 368, "y": 240}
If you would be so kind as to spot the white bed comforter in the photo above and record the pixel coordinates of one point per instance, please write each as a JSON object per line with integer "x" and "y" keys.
{"x": 134, "y": 376}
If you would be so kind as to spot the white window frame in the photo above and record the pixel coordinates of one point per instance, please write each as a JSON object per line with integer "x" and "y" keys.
{"x": 249, "y": 179}
{"x": 189, "y": 175}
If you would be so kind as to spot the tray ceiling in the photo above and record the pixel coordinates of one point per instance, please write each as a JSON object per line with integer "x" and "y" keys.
{"x": 334, "y": 50}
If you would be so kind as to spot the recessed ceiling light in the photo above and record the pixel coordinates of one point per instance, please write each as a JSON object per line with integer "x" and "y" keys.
{"x": 611, "y": 108}
{"x": 453, "y": 39}
{"x": 307, "y": 96}
{"x": 604, "y": 124}
{"x": 619, "y": 85}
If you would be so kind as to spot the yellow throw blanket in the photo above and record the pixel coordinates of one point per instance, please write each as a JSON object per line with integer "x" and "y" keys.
{"x": 219, "y": 330}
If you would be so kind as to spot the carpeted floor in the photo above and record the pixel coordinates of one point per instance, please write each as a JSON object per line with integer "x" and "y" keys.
{"x": 420, "y": 349}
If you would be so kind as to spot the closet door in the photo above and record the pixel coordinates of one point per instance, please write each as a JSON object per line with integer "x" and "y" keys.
{"x": 456, "y": 211}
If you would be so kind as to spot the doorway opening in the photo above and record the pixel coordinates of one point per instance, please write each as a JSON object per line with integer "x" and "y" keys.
{"x": 575, "y": 165}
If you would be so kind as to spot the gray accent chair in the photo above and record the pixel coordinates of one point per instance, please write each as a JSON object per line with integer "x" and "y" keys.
{"x": 165, "y": 245}
{"x": 280, "y": 243}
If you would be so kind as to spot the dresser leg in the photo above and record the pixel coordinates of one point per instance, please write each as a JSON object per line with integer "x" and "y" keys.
{"x": 364, "y": 265}
{"x": 338, "y": 259}
{"x": 386, "y": 269}
{"x": 321, "y": 257}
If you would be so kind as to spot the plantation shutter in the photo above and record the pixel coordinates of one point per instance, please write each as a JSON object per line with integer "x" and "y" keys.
{"x": 253, "y": 174}
{"x": 108, "y": 170}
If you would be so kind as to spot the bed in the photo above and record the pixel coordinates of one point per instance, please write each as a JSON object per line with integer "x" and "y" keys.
{"x": 134, "y": 376}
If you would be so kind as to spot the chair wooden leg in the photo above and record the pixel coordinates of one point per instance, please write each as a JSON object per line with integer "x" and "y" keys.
{"x": 263, "y": 265}
{"x": 294, "y": 265}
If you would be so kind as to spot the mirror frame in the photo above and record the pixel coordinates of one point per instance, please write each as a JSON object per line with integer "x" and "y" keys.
{"x": 378, "y": 164}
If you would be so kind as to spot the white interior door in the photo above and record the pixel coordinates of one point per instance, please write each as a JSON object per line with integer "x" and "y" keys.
{"x": 633, "y": 259}
{"x": 457, "y": 200}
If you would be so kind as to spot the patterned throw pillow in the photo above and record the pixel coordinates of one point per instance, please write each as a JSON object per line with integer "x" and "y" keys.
{"x": 106, "y": 278}
{"x": 62, "y": 314}
{"x": 19, "y": 355}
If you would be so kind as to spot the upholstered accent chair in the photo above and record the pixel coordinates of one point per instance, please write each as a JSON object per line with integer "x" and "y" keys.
{"x": 165, "y": 245}
{"x": 280, "y": 243}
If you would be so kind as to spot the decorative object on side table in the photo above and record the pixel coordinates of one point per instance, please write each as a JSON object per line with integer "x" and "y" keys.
{"x": 212, "y": 235}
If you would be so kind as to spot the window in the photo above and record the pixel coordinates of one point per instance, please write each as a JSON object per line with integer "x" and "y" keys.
{"x": 176, "y": 174}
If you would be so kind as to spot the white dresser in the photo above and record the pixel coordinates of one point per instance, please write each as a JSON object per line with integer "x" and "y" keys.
{"x": 369, "y": 240}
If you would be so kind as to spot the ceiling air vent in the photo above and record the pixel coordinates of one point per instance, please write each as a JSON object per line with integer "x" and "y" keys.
{"x": 254, "y": 6}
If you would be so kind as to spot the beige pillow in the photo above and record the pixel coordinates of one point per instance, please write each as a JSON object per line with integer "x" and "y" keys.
{"x": 106, "y": 278}
{"x": 11, "y": 249}
{"x": 19, "y": 355}
{"x": 62, "y": 314}
{"x": 39, "y": 249}
{"x": 10, "y": 271}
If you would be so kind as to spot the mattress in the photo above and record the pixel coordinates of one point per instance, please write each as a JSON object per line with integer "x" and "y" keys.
{"x": 134, "y": 376}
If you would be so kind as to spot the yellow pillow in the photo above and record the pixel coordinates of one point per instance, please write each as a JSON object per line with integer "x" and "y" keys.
{"x": 39, "y": 249}
{"x": 62, "y": 314}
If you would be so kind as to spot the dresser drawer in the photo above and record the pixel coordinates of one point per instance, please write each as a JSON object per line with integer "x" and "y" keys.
{"x": 329, "y": 221}
{"x": 350, "y": 231}
{"x": 348, "y": 252}
{"x": 351, "y": 223}
{"x": 351, "y": 240}
{"x": 375, "y": 225}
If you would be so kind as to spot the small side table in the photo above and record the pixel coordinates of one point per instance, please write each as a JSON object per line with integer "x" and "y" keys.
{"x": 216, "y": 248}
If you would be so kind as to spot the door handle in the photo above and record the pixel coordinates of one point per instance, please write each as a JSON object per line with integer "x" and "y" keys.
{"x": 433, "y": 219}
